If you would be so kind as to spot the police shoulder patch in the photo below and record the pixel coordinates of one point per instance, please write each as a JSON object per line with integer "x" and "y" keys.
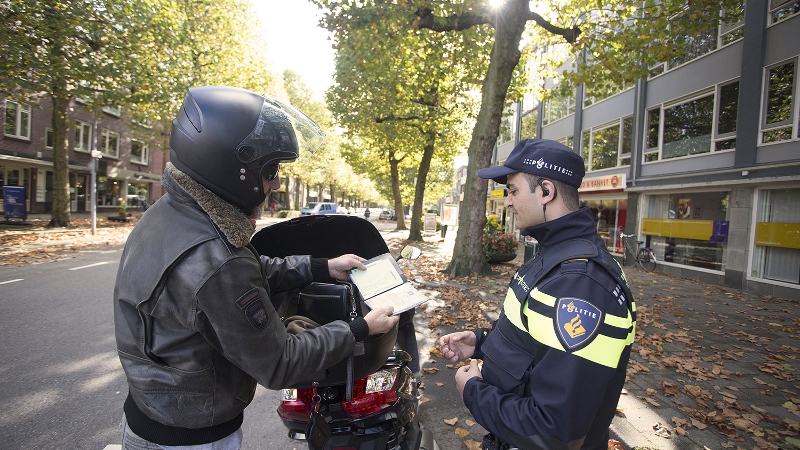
{"x": 577, "y": 322}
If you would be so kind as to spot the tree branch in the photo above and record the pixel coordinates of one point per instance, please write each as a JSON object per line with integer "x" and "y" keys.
{"x": 569, "y": 34}
{"x": 454, "y": 22}
{"x": 458, "y": 22}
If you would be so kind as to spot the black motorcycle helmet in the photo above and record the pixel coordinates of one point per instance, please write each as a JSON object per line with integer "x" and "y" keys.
{"x": 225, "y": 138}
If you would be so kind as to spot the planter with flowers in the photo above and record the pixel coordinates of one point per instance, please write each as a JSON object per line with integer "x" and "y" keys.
{"x": 498, "y": 246}
{"x": 123, "y": 210}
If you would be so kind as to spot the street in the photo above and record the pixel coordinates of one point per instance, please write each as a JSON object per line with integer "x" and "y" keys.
{"x": 62, "y": 386}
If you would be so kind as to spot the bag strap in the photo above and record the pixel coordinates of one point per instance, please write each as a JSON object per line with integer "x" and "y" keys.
{"x": 289, "y": 304}
{"x": 578, "y": 248}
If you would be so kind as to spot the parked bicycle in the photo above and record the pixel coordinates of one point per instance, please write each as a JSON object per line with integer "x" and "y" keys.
{"x": 645, "y": 257}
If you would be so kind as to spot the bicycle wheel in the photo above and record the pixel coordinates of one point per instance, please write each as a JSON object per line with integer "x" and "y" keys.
{"x": 647, "y": 259}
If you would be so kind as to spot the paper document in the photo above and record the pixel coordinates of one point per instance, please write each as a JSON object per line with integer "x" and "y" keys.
{"x": 383, "y": 283}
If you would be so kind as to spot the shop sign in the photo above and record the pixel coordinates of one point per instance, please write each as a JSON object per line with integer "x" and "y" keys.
{"x": 497, "y": 193}
{"x": 777, "y": 234}
{"x": 605, "y": 183}
{"x": 698, "y": 230}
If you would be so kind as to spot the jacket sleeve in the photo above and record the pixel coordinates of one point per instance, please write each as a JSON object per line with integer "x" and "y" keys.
{"x": 236, "y": 316}
{"x": 566, "y": 388}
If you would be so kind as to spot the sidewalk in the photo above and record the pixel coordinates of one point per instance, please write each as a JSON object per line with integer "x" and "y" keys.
{"x": 716, "y": 367}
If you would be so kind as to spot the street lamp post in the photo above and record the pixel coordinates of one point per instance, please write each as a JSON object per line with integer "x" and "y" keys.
{"x": 96, "y": 154}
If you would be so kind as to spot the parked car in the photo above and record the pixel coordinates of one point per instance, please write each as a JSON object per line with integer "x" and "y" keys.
{"x": 386, "y": 214}
{"x": 318, "y": 208}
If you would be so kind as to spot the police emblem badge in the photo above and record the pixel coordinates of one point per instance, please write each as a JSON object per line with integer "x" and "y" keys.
{"x": 577, "y": 321}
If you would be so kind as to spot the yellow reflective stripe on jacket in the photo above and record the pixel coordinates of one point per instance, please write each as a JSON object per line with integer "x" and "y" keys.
{"x": 602, "y": 350}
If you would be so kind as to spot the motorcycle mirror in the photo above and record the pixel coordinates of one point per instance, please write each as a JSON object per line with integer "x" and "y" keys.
{"x": 410, "y": 252}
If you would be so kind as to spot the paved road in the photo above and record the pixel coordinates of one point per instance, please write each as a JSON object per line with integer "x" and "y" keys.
{"x": 61, "y": 384}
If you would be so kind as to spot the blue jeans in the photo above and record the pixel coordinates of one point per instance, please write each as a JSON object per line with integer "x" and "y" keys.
{"x": 130, "y": 441}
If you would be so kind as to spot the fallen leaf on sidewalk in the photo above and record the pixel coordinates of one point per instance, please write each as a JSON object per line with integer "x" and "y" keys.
{"x": 470, "y": 422}
{"x": 662, "y": 431}
{"x": 452, "y": 421}
{"x": 472, "y": 445}
{"x": 430, "y": 370}
{"x": 614, "y": 444}
{"x": 462, "y": 433}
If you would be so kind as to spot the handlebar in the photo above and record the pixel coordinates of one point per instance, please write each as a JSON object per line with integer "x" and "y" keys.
{"x": 623, "y": 235}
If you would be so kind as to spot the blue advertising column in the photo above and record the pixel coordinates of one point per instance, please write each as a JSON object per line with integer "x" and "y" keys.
{"x": 14, "y": 204}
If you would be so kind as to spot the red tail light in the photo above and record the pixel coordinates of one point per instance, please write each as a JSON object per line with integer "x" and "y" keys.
{"x": 296, "y": 404}
{"x": 372, "y": 394}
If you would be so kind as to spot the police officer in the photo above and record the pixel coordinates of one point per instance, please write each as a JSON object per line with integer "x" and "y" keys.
{"x": 554, "y": 361}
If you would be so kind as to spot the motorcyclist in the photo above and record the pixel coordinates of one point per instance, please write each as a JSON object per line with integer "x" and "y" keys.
{"x": 195, "y": 328}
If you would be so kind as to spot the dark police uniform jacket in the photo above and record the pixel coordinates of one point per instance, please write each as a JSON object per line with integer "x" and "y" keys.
{"x": 554, "y": 362}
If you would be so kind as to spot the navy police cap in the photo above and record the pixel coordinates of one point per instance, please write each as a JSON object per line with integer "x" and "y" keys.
{"x": 541, "y": 157}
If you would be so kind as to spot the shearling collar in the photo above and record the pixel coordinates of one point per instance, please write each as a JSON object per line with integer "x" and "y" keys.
{"x": 237, "y": 227}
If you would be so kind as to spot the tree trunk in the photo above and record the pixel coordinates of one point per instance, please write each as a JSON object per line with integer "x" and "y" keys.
{"x": 467, "y": 258}
{"x": 398, "y": 200}
{"x": 415, "y": 234}
{"x": 60, "y": 216}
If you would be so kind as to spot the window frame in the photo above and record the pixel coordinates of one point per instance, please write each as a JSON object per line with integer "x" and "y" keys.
{"x": 775, "y": 5}
{"x": 145, "y": 152}
{"x": 20, "y": 109}
{"x": 655, "y": 154}
{"x": 106, "y": 135}
{"x": 84, "y": 129}
{"x": 49, "y": 138}
{"x": 620, "y": 126}
{"x": 791, "y": 122}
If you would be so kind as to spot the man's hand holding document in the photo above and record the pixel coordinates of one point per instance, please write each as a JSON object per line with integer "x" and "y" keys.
{"x": 383, "y": 283}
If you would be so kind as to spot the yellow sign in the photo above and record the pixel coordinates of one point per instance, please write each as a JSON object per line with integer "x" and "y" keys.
{"x": 777, "y": 234}
{"x": 497, "y": 193}
{"x": 700, "y": 230}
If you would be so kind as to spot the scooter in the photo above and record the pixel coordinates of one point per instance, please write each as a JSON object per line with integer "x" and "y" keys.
{"x": 378, "y": 410}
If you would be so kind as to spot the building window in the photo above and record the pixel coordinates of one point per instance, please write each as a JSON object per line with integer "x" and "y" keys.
{"x": 776, "y": 254}
{"x": 139, "y": 152}
{"x": 686, "y": 127}
{"x": 18, "y": 120}
{"x": 689, "y": 229}
{"x": 528, "y": 125}
{"x": 777, "y": 123}
{"x": 608, "y": 145}
{"x": 507, "y": 127}
{"x": 48, "y": 137}
{"x": 83, "y": 136}
{"x": 109, "y": 144}
{"x": 727, "y": 110}
{"x": 688, "y": 48}
{"x": 783, "y": 9}
{"x": 558, "y": 106}
{"x": 609, "y": 218}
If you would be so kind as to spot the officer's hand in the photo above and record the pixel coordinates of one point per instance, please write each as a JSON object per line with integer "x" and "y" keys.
{"x": 338, "y": 267}
{"x": 381, "y": 320}
{"x": 457, "y": 346}
{"x": 466, "y": 373}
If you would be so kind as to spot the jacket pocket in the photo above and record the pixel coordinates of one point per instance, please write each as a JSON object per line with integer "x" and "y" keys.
{"x": 171, "y": 396}
{"x": 505, "y": 364}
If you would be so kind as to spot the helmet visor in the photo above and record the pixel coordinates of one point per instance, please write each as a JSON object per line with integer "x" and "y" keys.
{"x": 282, "y": 132}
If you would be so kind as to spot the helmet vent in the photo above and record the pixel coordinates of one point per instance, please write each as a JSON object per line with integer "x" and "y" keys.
{"x": 245, "y": 153}
{"x": 193, "y": 114}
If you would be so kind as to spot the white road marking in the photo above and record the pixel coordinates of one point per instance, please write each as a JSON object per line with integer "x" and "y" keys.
{"x": 11, "y": 281}
{"x": 90, "y": 265}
